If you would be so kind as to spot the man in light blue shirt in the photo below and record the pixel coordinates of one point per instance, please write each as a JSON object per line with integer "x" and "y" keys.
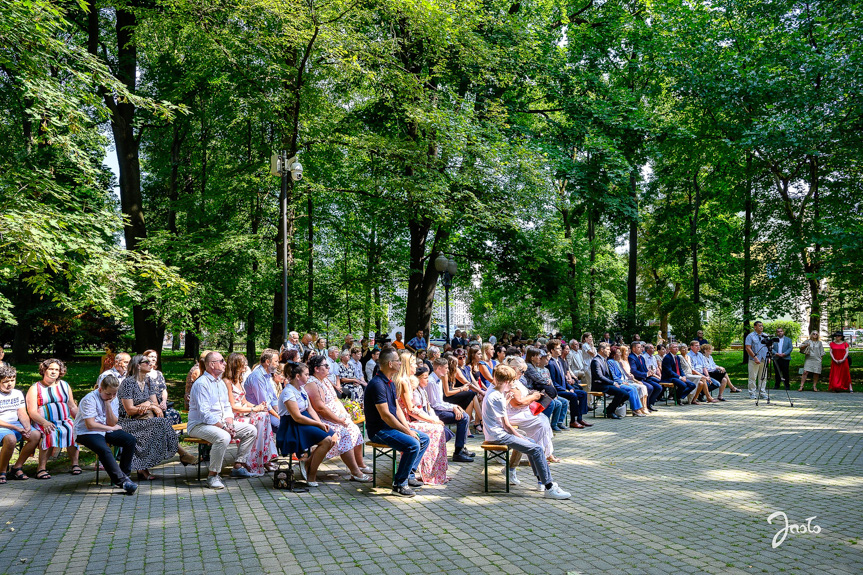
{"x": 212, "y": 419}
{"x": 699, "y": 364}
{"x": 756, "y": 353}
{"x": 782, "y": 358}
{"x": 259, "y": 385}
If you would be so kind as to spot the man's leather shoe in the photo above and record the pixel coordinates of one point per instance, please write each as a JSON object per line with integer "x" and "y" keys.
{"x": 614, "y": 416}
{"x": 462, "y": 458}
{"x": 576, "y": 425}
{"x": 586, "y": 424}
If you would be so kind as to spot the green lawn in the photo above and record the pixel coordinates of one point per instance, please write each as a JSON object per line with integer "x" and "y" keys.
{"x": 732, "y": 361}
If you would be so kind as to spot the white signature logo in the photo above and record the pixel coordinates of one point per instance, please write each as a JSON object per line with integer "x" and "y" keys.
{"x": 793, "y": 529}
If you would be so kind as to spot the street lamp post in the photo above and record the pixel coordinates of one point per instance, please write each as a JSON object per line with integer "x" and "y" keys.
{"x": 447, "y": 268}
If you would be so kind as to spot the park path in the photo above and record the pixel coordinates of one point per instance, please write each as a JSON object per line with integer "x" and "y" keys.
{"x": 687, "y": 490}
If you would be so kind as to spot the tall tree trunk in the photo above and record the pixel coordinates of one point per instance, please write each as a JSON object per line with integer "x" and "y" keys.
{"x": 310, "y": 296}
{"x": 747, "y": 252}
{"x": 694, "y": 210}
{"x": 633, "y": 254}
{"x": 127, "y": 145}
{"x": 423, "y": 276}
{"x": 371, "y": 252}
{"x": 193, "y": 339}
{"x": 591, "y": 240}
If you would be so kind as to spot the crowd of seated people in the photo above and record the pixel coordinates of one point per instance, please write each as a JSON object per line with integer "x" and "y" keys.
{"x": 520, "y": 392}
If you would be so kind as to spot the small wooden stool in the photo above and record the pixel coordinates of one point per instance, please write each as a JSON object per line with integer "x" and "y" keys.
{"x": 495, "y": 451}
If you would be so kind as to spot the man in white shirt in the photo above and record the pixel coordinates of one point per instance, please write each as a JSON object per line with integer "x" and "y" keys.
{"x": 121, "y": 362}
{"x": 356, "y": 365}
{"x": 333, "y": 362}
{"x": 371, "y": 364}
{"x": 577, "y": 367}
{"x": 699, "y": 364}
{"x": 212, "y": 419}
{"x": 448, "y": 412}
{"x": 756, "y": 353}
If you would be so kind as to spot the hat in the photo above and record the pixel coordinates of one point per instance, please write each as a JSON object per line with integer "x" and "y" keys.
{"x": 838, "y": 334}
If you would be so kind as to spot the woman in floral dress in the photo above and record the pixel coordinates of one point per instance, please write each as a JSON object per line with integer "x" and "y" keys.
{"x": 264, "y": 450}
{"x": 160, "y": 386}
{"x": 433, "y": 465}
{"x": 325, "y": 401}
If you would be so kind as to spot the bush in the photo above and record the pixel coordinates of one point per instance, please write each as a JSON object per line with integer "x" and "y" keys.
{"x": 684, "y": 318}
{"x": 792, "y": 329}
{"x": 722, "y": 328}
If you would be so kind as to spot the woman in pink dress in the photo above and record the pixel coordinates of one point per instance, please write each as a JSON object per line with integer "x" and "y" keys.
{"x": 325, "y": 401}
{"x": 840, "y": 372}
{"x": 433, "y": 465}
{"x": 264, "y": 450}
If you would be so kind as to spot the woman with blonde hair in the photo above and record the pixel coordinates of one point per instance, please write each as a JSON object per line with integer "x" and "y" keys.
{"x": 813, "y": 349}
{"x": 433, "y": 465}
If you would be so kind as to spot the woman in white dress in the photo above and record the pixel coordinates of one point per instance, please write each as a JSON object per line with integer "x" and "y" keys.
{"x": 813, "y": 349}
{"x": 536, "y": 427}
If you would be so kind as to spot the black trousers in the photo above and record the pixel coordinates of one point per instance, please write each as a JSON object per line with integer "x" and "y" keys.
{"x": 460, "y": 426}
{"x": 780, "y": 370}
{"x": 98, "y": 444}
{"x": 462, "y": 399}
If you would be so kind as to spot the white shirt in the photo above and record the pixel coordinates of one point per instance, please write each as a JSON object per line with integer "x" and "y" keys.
{"x": 493, "y": 412}
{"x": 208, "y": 401}
{"x": 585, "y": 348}
{"x": 291, "y": 393}
{"x": 93, "y": 406}
{"x": 434, "y": 389}
{"x": 9, "y": 405}
{"x": 370, "y": 369}
{"x": 697, "y": 361}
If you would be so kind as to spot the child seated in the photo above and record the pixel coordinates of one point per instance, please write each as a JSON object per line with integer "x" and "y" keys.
{"x": 497, "y": 429}
{"x": 14, "y": 425}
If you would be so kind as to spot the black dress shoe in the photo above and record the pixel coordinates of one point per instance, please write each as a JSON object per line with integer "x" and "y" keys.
{"x": 613, "y": 416}
{"x": 462, "y": 458}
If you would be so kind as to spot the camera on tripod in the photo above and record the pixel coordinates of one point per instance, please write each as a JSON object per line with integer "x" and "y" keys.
{"x": 767, "y": 339}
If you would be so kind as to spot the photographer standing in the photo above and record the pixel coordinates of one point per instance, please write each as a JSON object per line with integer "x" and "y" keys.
{"x": 756, "y": 353}
{"x": 781, "y": 358}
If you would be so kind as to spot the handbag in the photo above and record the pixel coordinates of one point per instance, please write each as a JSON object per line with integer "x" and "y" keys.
{"x": 620, "y": 411}
{"x": 537, "y": 407}
{"x": 282, "y": 477}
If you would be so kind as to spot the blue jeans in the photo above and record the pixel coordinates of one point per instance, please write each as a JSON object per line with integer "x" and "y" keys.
{"x": 553, "y": 412}
{"x": 634, "y": 400}
{"x": 412, "y": 451}
{"x": 460, "y": 427}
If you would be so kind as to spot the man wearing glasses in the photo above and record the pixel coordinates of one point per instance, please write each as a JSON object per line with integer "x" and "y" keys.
{"x": 212, "y": 419}
{"x": 386, "y": 424}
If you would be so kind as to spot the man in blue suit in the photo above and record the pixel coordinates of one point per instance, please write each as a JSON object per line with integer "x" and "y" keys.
{"x": 577, "y": 397}
{"x": 672, "y": 373}
{"x": 601, "y": 380}
{"x": 781, "y": 358}
{"x": 638, "y": 367}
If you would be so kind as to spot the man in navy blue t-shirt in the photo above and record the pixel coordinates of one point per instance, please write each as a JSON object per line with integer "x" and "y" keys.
{"x": 386, "y": 424}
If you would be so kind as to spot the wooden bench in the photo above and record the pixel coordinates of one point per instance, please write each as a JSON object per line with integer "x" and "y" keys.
{"x": 381, "y": 450}
{"x": 492, "y": 451}
{"x": 204, "y": 446}
{"x": 596, "y": 395}
{"x": 666, "y": 385}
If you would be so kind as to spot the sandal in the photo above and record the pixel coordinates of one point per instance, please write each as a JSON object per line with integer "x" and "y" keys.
{"x": 18, "y": 474}
{"x": 76, "y": 470}
{"x": 146, "y": 477}
{"x": 43, "y": 474}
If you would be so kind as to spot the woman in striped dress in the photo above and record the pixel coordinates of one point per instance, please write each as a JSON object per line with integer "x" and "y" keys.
{"x": 52, "y": 409}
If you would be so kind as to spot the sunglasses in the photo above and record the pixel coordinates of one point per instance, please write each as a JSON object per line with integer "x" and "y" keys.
{"x": 147, "y": 361}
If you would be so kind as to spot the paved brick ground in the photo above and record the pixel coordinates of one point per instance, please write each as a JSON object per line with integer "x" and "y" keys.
{"x": 687, "y": 490}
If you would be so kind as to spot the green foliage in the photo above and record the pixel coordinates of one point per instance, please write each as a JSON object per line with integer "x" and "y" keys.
{"x": 793, "y": 329}
{"x": 723, "y": 326}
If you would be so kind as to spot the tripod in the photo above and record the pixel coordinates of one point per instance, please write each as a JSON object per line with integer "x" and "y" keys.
{"x": 762, "y": 379}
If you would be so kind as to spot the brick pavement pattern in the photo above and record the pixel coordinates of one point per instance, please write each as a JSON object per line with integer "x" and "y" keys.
{"x": 687, "y": 490}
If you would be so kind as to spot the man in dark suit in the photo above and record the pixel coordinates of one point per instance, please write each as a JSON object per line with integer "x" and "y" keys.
{"x": 781, "y": 357}
{"x": 601, "y": 380}
{"x": 672, "y": 373}
{"x": 577, "y": 397}
{"x": 639, "y": 371}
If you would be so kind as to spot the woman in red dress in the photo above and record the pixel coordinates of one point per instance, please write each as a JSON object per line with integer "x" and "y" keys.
{"x": 840, "y": 373}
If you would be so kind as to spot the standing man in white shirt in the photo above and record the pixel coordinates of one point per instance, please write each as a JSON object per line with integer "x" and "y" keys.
{"x": 212, "y": 419}
{"x": 756, "y": 353}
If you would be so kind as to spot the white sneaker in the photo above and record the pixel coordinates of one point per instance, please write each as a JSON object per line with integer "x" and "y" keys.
{"x": 213, "y": 482}
{"x": 513, "y": 479}
{"x": 540, "y": 486}
{"x": 762, "y": 396}
{"x": 752, "y": 396}
{"x": 556, "y": 492}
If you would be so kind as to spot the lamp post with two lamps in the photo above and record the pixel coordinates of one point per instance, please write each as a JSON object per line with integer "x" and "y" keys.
{"x": 282, "y": 165}
{"x": 447, "y": 268}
